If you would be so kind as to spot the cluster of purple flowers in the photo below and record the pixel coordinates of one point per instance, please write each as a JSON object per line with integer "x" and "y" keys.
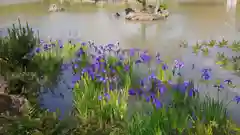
{"x": 102, "y": 70}
{"x": 104, "y": 67}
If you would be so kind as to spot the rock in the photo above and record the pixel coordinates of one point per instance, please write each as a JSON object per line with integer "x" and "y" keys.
{"x": 146, "y": 16}
{"x": 117, "y": 14}
{"x": 129, "y": 10}
{"x": 3, "y": 85}
{"x": 129, "y": 16}
{"x": 55, "y": 8}
{"x": 13, "y": 105}
{"x": 150, "y": 9}
{"x": 165, "y": 13}
{"x": 143, "y": 18}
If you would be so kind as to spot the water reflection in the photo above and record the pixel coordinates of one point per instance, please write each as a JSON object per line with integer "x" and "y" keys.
{"x": 231, "y": 4}
{"x": 143, "y": 33}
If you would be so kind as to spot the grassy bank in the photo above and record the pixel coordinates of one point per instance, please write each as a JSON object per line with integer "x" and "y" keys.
{"x": 36, "y": 8}
{"x": 39, "y": 8}
{"x": 105, "y": 80}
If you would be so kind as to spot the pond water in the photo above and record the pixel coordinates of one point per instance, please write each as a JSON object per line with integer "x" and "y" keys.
{"x": 186, "y": 22}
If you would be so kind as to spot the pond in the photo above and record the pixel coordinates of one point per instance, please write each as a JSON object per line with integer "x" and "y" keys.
{"x": 186, "y": 22}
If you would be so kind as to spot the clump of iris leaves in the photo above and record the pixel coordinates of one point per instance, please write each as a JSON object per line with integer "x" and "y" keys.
{"x": 106, "y": 85}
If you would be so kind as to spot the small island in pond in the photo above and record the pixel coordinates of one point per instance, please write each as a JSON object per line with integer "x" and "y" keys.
{"x": 147, "y": 13}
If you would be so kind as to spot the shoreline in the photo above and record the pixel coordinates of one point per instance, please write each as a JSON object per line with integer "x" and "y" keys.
{"x": 16, "y": 2}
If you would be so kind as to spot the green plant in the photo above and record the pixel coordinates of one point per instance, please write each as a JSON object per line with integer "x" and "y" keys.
{"x": 38, "y": 123}
{"x": 103, "y": 85}
{"x": 23, "y": 68}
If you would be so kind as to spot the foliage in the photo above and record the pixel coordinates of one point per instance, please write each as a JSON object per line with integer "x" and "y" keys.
{"x": 144, "y": 3}
{"x": 38, "y": 123}
{"x": 21, "y": 66}
{"x": 184, "y": 114}
{"x": 163, "y": 6}
{"x": 104, "y": 82}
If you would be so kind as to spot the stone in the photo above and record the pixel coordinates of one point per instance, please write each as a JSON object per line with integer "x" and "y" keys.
{"x": 129, "y": 11}
{"x": 142, "y": 16}
{"x": 13, "y": 105}
{"x": 55, "y": 8}
{"x": 150, "y": 9}
{"x": 3, "y": 85}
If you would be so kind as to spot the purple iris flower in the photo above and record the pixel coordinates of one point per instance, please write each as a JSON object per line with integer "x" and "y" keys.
{"x": 237, "y": 99}
{"x": 145, "y": 57}
{"x": 38, "y": 50}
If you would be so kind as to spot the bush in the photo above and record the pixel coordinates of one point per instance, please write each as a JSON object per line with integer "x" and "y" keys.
{"x": 37, "y": 123}
{"x": 22, "y": 66}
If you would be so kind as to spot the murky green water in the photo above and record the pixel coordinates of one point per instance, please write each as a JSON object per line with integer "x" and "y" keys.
{"x": 190, "y": 23}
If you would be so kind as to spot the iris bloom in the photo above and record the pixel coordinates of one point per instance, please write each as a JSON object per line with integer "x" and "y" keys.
{"x": 157, "y": 103}
{"x": 100, "y": 97}
{"x": 102, "y": 79}
{"x": 218, "y": 86}
{"x": 131, "y": 92}
{"x": 152, "y": 76}
{"x": 75, "y": 66}
{"x": 145, "y": 57}
{"x": 38, "y": 50}
{"x": 106, "y": 96}
{"x": 158, "y": 60}
{"x": 164, "y": 67}
{"x": 80, "y": 52}
{"x": 142, "y": 83}
{"x": 162, "y": 89}
{"x": 191, "y": 92}
{"x": 60, "y": 44}
{"x": 126, "y": 67}
{"x": 45, "y": 47}
{"x": 178, "y": 64}
{"x": 205, "y": 75}
{"x": 83, "y": 43}
{"x": 132, "y": 52}
{"x": 206, "y": 70}
{"x": 237, "y": 99}
{"x": 228, "y": 81}
{"x": 138, "y": 62}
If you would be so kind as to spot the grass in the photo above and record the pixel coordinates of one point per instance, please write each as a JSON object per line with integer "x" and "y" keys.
{"x": 105, "y": 80}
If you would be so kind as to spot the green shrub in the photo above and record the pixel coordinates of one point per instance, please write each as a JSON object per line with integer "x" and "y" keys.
{"x": 22, "y": 67}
